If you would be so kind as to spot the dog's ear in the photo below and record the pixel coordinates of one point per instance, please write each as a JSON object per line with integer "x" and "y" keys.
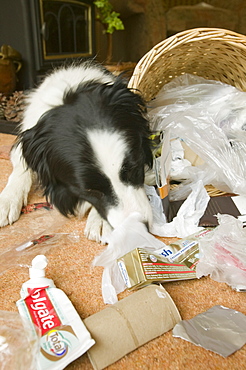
{"x": 34, "y": 149}
{"x": 63, "y": 198}
{"x": 37, "y": 154}
{"x": 43, "y": 157}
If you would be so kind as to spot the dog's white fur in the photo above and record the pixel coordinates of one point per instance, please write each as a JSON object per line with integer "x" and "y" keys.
{"x": 110, "y": 157}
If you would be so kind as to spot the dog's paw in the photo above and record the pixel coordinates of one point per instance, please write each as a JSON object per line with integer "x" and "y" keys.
{"x": 96, "y": 228}
{"x": 10, "y": 209}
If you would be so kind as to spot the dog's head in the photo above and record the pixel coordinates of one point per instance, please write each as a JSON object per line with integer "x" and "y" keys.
{"x": 95, "y": 148}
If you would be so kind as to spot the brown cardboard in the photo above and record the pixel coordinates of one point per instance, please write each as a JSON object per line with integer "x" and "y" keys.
{"x": 140, "y": 267}
{"x": 130, "y": 323}
{"x": 220, "y": 204}
{"x": 176, "y": 261}
{"x": 162, "y": 167}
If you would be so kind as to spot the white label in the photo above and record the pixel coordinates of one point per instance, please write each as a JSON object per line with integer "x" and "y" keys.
{"x": 124, "y": 273}
{"x": 188, "y": 246}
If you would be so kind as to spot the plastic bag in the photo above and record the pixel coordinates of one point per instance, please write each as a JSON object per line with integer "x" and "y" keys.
{"x": 33, "y": 219}
{"x": 132, "y": 233}
{"x": 210, "y": 118}
{"x": 38, "y": 237}
{"x": 19, "y": 345}
{"x": 223, "y": 253}
{"x": 187, "y": 219}
{"x": 23, "y": 253}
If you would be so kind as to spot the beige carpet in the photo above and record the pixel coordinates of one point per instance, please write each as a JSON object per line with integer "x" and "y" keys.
{"x": 70, "y": 268}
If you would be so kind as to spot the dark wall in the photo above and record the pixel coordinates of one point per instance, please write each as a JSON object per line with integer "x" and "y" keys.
{"x": 20, "y": 27}
{"x": 16, "y": 31}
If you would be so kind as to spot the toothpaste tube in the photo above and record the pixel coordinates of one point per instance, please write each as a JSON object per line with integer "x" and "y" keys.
{"x": 63, "y": 335}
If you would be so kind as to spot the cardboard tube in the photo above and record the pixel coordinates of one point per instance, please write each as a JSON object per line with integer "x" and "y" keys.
{"x": 130, "y": 323}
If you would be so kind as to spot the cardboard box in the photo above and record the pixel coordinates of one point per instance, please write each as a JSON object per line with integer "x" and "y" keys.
{"x": 140, "y": 268}
{"x": 174, "y": 262}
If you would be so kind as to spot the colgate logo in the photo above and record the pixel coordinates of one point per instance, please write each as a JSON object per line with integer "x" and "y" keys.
{"x": 41, "y": 309}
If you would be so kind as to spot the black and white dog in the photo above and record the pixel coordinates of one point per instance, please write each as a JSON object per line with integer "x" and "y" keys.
{"x": 85, "y": 135}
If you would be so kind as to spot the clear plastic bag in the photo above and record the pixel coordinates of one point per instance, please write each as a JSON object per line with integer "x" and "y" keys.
{"x": 210, "y": 118}
{"x": 223, "y": 253}
{"x": 132, "y": 233}
{"x": 187, "y": 219}
{"x": 38, "y": 237}
{"x": 19, "y": 345}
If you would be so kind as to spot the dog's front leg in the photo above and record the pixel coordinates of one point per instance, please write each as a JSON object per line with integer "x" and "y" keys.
{"x": 97, "y": 228}
{"x": 15, "y": 194}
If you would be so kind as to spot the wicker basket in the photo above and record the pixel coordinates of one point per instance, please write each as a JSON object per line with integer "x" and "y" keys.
{"x": 212, "y": 53}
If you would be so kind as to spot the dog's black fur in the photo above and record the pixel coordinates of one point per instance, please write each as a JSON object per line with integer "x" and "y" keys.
{"x": 57, "y": 147}
{"x": 62, "y": 157}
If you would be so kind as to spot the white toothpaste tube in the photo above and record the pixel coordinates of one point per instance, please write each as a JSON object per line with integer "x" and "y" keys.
{"x": 63, "y": 335}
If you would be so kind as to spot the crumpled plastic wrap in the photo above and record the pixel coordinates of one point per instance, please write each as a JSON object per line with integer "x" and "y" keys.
{"x": 130, "y": 234}
{"x": 19, "y": 346}
{"x": 222, "y": 253}
{"x": 209, "y": 117}
{"x": 38, "y": 237}
{"x": 187, "y": 219}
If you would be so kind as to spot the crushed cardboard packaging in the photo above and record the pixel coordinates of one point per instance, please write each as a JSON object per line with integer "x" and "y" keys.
{"x": 176, "y": 261}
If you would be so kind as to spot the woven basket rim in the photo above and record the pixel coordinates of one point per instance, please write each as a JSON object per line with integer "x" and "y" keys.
{"x": 170, "y": 45}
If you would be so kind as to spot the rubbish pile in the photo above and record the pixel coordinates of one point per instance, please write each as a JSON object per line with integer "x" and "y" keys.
{"x": 201, "y": 130}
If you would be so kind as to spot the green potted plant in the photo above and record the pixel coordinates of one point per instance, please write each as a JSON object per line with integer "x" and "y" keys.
{"x": 110, "y": 21}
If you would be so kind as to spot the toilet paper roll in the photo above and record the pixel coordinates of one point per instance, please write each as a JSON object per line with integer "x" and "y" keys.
{"x": 130, "y": 323}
